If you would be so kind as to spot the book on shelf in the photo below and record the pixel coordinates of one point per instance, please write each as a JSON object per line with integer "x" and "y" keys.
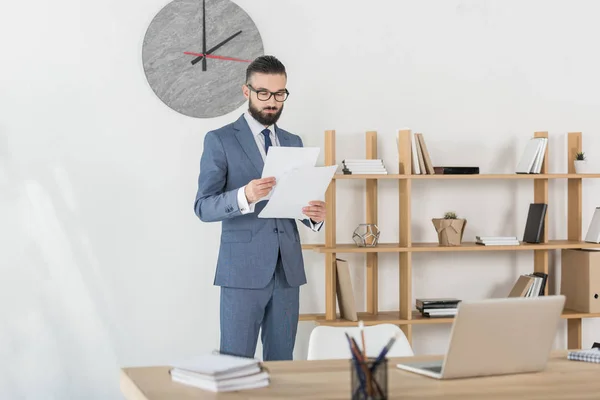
{"x": 344, "y": 292}
{"x": 220, "y": 373}
{"x": 497, "y": 240}
{"x": 529, "y": 285}
{"x": 437, "y": 307}
{"x": 593, "y": 232}
{"x": 420, "y": 160}
{"x": 587, "y": 355}
{"x": 456, "y": 170}
{"x": 532, "y": 157}
{"x": 534, "y": 227}
{"x": 366, "y": 166}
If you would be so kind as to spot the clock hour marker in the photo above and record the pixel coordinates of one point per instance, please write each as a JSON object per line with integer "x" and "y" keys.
{"x": 215, "y": 57}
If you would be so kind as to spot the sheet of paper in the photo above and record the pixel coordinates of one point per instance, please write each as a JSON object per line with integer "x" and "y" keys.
{"x": 296, "y": 189}
{"x": 281, "y": 160}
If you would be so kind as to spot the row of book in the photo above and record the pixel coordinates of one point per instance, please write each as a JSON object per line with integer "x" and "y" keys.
{"x": 421, "y": 161}
{"x": 529, "y": 285}
{"x": 437, "y": 307}
{"x": 533, "y": 156}
{"x": 366, "y": 167}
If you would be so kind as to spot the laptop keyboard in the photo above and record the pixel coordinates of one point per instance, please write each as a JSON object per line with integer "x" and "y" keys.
{"x": 434, "y": 368}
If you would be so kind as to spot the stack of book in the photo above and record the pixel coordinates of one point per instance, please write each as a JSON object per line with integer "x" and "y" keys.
{"x": 366, "y": 166}
{"x": 437, "y": 307}
{"x": 497, "y": 240}
{"x": 587, "y": 355}
{"x": 220, "y": 373}
{"x": 529, "y": 285}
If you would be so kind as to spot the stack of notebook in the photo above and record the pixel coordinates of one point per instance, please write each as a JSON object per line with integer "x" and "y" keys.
{"x": 437, "y": 307}
{"x": 220, "y": 373}
{"x": 366, "y": 166}
{"x": 530, "y": 285}
{"x": 587, "y": 355}
{"x": 497, "y": 240}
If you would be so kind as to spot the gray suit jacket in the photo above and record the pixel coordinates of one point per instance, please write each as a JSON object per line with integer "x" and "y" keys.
{"x": 249, "y": 245}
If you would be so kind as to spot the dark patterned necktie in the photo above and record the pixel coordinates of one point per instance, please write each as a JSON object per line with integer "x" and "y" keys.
{"x": 268, "y": 143}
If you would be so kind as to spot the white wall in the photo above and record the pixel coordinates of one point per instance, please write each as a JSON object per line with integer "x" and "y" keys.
{"x": 104, "y": 263}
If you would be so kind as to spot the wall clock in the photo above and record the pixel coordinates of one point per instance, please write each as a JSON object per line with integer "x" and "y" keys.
{"x": 195, "y": 54}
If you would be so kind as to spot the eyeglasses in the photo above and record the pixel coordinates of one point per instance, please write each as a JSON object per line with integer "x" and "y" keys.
{"x": 264, "y": 95}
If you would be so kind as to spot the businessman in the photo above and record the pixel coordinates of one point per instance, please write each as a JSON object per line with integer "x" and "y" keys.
{"x": 260, "y": 267}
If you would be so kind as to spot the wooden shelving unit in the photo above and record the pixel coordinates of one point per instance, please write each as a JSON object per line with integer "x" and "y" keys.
{"x": 406, "y": 317}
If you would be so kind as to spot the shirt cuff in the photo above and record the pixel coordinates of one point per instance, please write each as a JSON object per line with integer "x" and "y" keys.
{"x": 245, "y": 208}
{"x": 315, "y": 226}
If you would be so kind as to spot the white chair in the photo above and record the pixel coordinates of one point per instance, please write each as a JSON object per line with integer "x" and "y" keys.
{"x": 329, "y": 342}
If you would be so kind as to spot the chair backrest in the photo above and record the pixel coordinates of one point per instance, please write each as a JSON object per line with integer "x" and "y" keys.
{"x": 329, "y": 342}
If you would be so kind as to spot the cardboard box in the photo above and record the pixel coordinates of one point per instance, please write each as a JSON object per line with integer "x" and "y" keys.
{"x": 580, "y": 280}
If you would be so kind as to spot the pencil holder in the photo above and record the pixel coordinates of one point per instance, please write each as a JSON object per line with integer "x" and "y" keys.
{"x": 369, "y": 379}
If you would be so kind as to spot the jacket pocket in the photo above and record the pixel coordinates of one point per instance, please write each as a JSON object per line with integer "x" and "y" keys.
{"x": 241, "y": 236}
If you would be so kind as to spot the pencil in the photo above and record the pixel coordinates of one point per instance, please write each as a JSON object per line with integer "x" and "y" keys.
{"x": 361, "y": 326}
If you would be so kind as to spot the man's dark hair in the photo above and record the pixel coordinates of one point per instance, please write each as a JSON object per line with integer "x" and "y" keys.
{"x": 265, "y": 65}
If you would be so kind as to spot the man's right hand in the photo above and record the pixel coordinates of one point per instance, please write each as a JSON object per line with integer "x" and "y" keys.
{"x": 258, "y": 188}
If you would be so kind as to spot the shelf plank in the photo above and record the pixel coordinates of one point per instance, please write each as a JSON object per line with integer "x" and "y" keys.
{"x": 393, "y": 317}
{"x": 465, "y": 246}
{"x": 468, "y": 176}
{"x": 312, "y": 247}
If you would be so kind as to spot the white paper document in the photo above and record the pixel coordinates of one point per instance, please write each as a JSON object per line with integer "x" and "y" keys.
{"x": 281, "y": 160}
{"x": 296, "y": 189}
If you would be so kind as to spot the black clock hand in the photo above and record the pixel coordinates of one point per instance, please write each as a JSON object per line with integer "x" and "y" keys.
{"x": 199, "y": 58}
{"x": 203, "y": 34}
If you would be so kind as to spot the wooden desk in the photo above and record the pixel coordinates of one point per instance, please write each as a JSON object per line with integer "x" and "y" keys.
{"x": 562, "y": 379}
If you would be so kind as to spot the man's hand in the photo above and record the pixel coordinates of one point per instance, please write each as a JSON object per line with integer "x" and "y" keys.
{"x": 258, "y": 188}
{"x": 315, "y": 211}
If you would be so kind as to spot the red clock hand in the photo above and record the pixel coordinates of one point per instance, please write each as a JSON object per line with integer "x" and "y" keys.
{"x": 215, "y": 57}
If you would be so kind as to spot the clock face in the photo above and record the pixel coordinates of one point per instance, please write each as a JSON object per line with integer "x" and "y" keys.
{"x": 195, "y": 54}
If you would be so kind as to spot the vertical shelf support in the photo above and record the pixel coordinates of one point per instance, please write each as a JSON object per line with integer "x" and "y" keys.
{"x": 540, "y": 195}
{"x": 405, "y": 258}
{"x": 330, "y": 231}
{"x": 371, "y": 218}
{"x": 574, "y": 210}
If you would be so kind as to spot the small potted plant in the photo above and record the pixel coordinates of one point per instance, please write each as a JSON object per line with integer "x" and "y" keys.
{"x": 580, "y": 163}
{"x": 450, "y": 229}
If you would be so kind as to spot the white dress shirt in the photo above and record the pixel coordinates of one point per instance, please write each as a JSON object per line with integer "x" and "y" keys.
{"x": 256, "y": 128}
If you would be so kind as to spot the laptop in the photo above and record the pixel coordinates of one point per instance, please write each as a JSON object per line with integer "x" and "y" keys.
{"x": 496, "y": 337}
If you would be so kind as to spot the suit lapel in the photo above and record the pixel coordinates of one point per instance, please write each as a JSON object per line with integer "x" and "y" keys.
{"x": 246, "y": 139}
{"x": 284, "y": 139}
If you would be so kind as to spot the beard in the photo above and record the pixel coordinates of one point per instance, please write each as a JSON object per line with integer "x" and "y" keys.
{"x": 263, "y": 117}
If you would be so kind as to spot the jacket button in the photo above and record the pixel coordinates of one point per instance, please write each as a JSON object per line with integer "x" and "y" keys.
{"x": 275, "y": 230}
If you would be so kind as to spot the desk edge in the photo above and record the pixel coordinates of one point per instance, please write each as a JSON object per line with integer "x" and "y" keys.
{"x": 129, "y": 389}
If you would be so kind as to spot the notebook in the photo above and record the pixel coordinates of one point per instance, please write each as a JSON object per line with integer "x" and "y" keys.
{"x": 220, "y": 373}
{"x": 534, "y": 227}
{"x": 587, "y": 355}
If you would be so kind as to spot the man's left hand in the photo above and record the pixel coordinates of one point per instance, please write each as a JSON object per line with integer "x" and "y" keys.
{"x": 315, "y": 211}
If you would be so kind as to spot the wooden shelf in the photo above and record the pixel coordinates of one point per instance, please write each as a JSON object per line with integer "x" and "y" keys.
{"x": 393, "y": 317}
{"x": 314, "y": 247}
{"x": 468, "y": 176}
{"x": 405, "y": 247}
{"x": 465, "y": 246}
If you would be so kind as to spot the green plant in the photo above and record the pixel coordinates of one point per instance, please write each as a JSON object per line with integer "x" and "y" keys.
{"x": 450, "y": 215}
{"x": 580, "y": 156}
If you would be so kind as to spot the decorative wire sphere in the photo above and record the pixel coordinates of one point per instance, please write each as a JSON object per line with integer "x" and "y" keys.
{"x": 366, "y": 235}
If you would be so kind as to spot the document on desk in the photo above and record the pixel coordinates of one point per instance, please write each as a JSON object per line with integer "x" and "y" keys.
{"x": 296, "y": 189}
{"x": 281, "y": 160}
